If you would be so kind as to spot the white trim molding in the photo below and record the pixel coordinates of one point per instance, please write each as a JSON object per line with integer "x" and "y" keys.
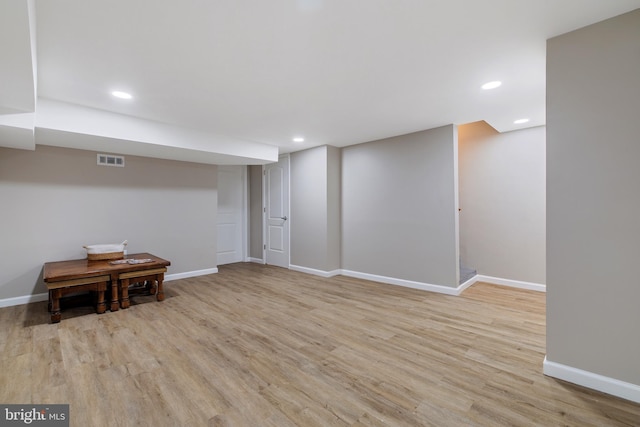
{"x": 508, "y": 282}
{"x": 373, "y": 277}
{"x": 315, "y": 272}
{"x": 588, "y": 379}
{"x": 421, "y": 285}
{"x": 187, "y": 274}
{"x": 25, "y": 299}
{"x": 256, "y": 260}
{"x": 466, "y": 284}
{"x": 406, "y": 283}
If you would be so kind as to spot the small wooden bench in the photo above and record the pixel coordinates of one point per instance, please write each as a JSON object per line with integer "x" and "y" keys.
{"x": 64, "y": 287}
{"x": 63, "y": 277}
{"x": 155, "y": 275}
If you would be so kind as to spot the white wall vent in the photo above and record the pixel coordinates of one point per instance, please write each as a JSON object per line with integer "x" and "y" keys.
{"x": 110, "y": 160}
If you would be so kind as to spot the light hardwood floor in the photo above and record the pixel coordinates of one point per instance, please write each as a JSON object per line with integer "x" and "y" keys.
{"x": 262, "y": 346}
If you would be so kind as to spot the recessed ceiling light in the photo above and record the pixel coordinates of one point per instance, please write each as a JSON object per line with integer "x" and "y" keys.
{"x": 121, "y": 95}
{"x": 298, "y": 139}
{"x": 491, "y": 85}
{"x": 520, "y": 121}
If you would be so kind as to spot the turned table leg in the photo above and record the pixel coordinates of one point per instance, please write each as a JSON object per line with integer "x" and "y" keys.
{"x": 124, "y": 285}
{"x": 102, "y": 306}
{"x": 55, "y": 305}
{"x": 160, "y": 294}
{"x": 115, "y": 302}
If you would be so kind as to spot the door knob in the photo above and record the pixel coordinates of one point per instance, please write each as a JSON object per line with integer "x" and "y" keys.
{"x": 283, "y": 217}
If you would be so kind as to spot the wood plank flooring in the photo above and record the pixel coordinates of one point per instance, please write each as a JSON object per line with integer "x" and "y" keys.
{"x": 262, "y": 346}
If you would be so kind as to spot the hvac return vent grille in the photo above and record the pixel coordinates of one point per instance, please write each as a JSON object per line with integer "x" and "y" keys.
{"x": 110, "y": 160}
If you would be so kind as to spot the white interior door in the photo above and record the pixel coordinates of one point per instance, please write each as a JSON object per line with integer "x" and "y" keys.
{"x": 231, "y": 214}
{"x": 276, "y": 180}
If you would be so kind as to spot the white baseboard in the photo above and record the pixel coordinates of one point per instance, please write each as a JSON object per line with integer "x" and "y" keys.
{"x": 466, "y": 284}
{"x": 315, "y": 272}
{"x": 421, "y": 285}
{"x": 26, "y": 299}
{"x": 7, "y": 302}
{"x": 424, "y": 286}
{"x": 406, "y": 283}
{"x": 594, "y": 381}
{"x": 508, "y": 282}
{"x": 388, "y": 280}
{"x": 187, "y": 274}
{"x": 256, "y": 260}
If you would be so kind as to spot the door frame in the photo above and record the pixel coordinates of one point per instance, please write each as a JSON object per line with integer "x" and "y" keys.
{"x": 264, "y": 210}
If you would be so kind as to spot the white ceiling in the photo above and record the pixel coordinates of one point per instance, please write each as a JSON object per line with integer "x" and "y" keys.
{"x": 246, "y": 76}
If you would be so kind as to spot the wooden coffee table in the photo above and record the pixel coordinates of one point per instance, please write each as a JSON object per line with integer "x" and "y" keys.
{"x": 64, "y": 277}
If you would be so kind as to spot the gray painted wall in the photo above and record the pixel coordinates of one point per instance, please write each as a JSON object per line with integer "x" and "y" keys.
{"x": 55, "y": 200}
{"x": 315, "y": 208}
{"x": 399, "y": 207}
{"x": 593, "y": 202}
{"x": 503, "y": 201}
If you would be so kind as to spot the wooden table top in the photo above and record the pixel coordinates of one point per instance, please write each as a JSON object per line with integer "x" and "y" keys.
{"x": 78, "y": 268}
